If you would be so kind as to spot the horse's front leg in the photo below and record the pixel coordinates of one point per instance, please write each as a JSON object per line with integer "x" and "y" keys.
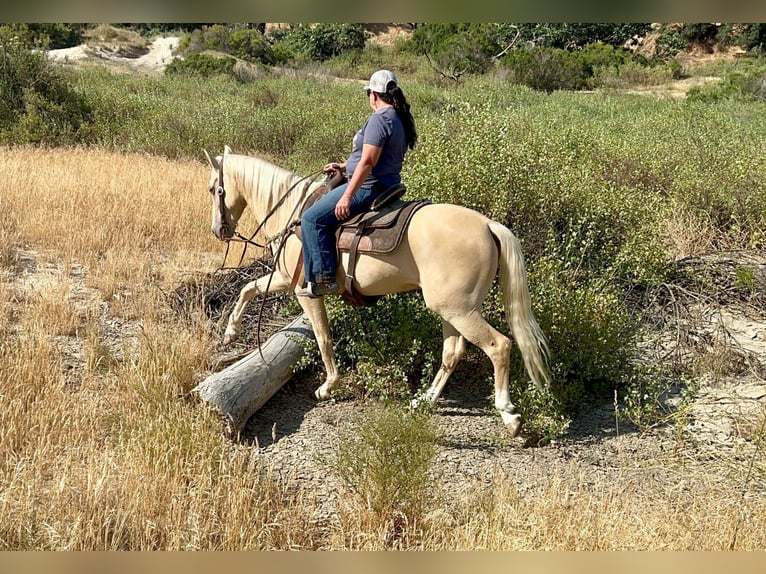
{"x": 271, "y": 283}
{"x": 317, "y": 313}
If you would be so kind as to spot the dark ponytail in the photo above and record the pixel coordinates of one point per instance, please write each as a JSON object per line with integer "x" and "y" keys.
{"x": 395, "y": 97}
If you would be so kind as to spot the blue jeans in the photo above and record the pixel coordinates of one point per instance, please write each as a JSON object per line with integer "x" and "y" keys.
{"x": 318, "y": 226}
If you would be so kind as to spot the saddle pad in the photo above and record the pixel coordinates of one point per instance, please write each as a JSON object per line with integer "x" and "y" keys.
{"x": 381, "y": 231}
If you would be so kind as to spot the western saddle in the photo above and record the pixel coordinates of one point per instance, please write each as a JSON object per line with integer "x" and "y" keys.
{"x": 377, "y": 231}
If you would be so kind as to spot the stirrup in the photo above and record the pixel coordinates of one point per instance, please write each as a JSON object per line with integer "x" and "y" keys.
{"x": 316, "y": 290}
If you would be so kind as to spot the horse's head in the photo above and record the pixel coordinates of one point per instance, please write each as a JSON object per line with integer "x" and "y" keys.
{"x": 228, "y": 203}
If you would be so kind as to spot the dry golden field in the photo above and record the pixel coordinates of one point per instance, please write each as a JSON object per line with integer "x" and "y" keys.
{"x": 101, "y": 447}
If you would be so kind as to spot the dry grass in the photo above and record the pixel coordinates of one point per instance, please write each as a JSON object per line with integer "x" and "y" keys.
{"x": 688, "y": 235}
{"x": 102, "y": 448}
{"x": 121, "y": 41}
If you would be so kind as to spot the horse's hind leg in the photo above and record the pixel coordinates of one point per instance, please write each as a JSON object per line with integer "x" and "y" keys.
{"x": 452, "y": 352}
{"x": 497, "y": 347}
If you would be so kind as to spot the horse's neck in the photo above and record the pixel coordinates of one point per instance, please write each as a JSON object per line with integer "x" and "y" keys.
{"x": 264, "y": 185}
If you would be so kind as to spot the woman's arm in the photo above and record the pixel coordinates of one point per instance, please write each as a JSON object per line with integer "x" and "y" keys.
{"x": 370, "y": 157}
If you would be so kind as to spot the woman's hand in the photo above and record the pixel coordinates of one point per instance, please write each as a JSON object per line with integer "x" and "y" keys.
{"x": 332, "y": 168}
{"x": 343, "y": 207}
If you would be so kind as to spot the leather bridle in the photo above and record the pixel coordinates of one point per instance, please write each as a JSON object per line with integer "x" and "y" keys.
{"x": 233, "y": 235}
{"x": 220, "y": 191}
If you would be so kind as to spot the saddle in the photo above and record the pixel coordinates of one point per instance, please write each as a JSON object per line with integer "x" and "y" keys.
{"x": 378, "y": 231}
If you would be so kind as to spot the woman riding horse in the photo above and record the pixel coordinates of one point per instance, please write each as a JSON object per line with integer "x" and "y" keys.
{"x": 374, "y": 165}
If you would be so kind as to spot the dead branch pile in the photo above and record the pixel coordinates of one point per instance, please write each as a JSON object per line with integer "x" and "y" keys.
{"x": 215, "y": 294}
{"x": 690, "y": 314}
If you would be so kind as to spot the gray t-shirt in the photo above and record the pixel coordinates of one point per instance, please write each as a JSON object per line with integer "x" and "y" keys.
{"x": 383, "y": 129}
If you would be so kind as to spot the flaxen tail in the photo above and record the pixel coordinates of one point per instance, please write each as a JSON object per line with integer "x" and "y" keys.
{"x": 518, "y": 310}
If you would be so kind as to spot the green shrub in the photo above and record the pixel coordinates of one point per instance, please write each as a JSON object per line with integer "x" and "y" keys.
{"x": 394, "y": 346}
{"x": 37, "y": 103}
{"x": 385, "y": 459}
{"x": 669, "y": 44}
{"x": 46, "y": 36}
{"x": 546, "y": 69}
{"x": 458, "y": 49}
{"x": 699, "y": 33}
{"x": 574, "y": 36}
{"x": 319, "y": 42}
{"x": 201, "y": 65}
{"x": 632, "y": 74}
{"x": 749, "y": 84}
{"x": 749, "y": 36}
{"x": 597, "y": 56}
{"x": 238, "y": 40}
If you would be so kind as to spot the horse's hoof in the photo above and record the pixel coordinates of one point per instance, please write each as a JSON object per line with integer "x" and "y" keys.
{"x": 320, "y": 396}
{"x": 512, "y": 423}
{"x": 229, "y": 338}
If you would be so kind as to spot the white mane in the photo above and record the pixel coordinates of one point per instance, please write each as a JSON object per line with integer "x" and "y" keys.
{"x": 262, "y": 185}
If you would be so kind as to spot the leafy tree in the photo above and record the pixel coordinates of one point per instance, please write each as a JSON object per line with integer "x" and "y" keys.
{"x": 456, "y": 49}
{"x": 572, "y": 36}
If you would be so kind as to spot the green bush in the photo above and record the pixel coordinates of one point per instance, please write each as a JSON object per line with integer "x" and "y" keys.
{"x": 574, "y": 36}
{"x": 696, "y": 33}
{"x": 486, "y": 40}
{"x": 749, "y": 36}
{"x": 394, "y": 347}
{"x": 37, "y": 103}
{"x": 385, "y": 458}
{"x": 631, "y": 74}
{"x": 597, "y": 56}
{"x": 457, "y": 49}
{"x": 44, "y": 35}
{"x": 669, "y": 44}
{"x": 237, "y": 39}
{"x": 748, "y": 84}
{"x": 319, "y": 42}
{"x": 201, "y": 65}
{"x": 546, "y": 69}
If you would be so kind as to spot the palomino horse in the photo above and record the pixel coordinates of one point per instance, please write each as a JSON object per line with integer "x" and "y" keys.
{"x": 449, "y": 252}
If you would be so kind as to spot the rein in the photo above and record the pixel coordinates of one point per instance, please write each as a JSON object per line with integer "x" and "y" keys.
{"x": 282, "y": 236}
{"x": 239, "y": 238}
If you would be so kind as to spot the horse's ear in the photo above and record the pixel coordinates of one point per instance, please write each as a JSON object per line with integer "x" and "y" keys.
{"x": 227, "y": 150}
{"x": 211, "y": 160}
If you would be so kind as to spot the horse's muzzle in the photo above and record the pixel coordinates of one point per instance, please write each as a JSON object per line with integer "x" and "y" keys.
{"x": 224, "y": 232}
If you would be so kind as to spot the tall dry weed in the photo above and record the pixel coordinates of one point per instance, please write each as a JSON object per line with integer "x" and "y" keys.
{"x": 688, "y": 234}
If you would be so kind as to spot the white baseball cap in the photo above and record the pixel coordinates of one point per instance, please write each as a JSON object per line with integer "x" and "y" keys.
{"x": 380, "y": 80}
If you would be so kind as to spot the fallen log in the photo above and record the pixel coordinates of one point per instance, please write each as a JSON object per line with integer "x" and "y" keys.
{"x": 242, "y": 388}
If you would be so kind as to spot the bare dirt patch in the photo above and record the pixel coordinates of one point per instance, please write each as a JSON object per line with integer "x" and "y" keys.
{"x": 149, "y": 61}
